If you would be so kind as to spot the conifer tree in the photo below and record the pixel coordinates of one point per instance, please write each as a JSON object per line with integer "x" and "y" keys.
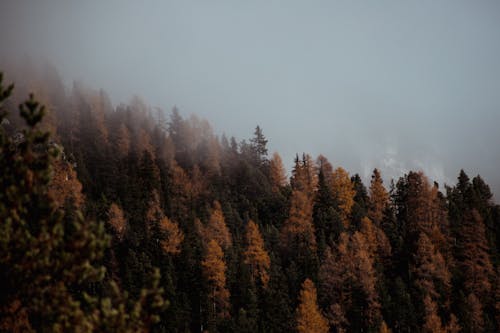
{"x": 378, "y": 200}
{"x": 49, "y": 255}
{"x": 309, "y": 317}
{"x": 277, "y": 173}
{"x": 117, "y": 221}
{"x": 343, "y": 193}
{"x": 298, "y": 230}
{"x": 255, "y": 254}
{"x": 214, "y": 270}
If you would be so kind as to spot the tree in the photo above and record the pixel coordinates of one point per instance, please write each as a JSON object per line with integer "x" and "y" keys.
{"x": 258, "y": 145}
{"x": 298, "y": 229}
{"x": 309, "y": 317}
{"x": 214, "y": 270}
{"x": 304, "y": 177}
{"x": 378, "y": 200}
{"x": 277, "y": 173}
{"x": 336, "y": 276}
{"x": 49, "y": 255}
{"x": 171, "y": 236}
{"x": 216, "y": 228}
{"x": 432, "y": 323}
{"x": 256, "y": 255}
{"x": 343, "y": 193}
{"x": 117, "y": 221}
{"x": 65, "y": 188}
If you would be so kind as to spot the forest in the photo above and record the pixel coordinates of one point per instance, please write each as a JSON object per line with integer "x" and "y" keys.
{"x": 129, "y": 219}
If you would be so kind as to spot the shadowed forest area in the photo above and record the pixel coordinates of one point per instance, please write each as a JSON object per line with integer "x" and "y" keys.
{"x": 129, "y": 219}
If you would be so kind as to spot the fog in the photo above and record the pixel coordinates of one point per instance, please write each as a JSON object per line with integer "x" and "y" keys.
{"x": 388, "y": 84}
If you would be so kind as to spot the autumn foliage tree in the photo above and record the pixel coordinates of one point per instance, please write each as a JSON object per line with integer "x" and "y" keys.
{"x": 214, "y": 270}
{"x": 309, "y": 318}
{"x": 255, "y": 254}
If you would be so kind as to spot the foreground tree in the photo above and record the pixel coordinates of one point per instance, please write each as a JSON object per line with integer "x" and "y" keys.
{"x": 49, "y": 271}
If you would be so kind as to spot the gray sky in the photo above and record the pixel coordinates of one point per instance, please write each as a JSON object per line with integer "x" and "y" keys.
{"x": 397, "y": 85}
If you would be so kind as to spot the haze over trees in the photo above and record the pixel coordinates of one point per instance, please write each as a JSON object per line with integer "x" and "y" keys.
{"x": 128, "y": 219}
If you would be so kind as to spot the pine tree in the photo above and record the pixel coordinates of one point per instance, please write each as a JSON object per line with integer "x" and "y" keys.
{"x": 309, "y": 318}
{"x": 49, "y": 255}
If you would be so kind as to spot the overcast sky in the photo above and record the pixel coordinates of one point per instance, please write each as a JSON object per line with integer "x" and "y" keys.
{"x": 397, "y": 85}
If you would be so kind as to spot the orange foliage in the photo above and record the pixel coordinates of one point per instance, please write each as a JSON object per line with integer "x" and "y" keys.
{"x": 309, "y": 317}
{"x": 214, "y": 270}
{"x": 117, "y": 220}
{"x": 216, "y": 228}
{"x": 172, "y": 236}
{"x": 256, "y": 255}
{"x": 378, "y": 200}
{"x": 343, "y": 193}
{"x": 277, "y": 172}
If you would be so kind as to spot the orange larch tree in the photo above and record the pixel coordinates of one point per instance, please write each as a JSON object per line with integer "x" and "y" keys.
{"x": 216, "y": 228}
{"x": 378, "y": 199}
{"x": 298, "y": 229}
{"x": 277, "y": 173}
{"x": 255, "y": 254}
{"x": 308, "y": 315}
{"x": 117, "y": 220}
{"x": 214, "y": 271}
{"x": 343, "y": 192}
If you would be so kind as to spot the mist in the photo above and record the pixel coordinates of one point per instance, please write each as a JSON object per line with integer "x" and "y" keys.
{"x": 389, "y": 85}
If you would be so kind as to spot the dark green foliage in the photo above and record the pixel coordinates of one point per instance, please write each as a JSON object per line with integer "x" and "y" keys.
{"x": 50, "y": 262}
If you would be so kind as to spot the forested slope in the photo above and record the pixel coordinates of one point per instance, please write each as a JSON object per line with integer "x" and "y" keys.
{"x": 239, "y": 246}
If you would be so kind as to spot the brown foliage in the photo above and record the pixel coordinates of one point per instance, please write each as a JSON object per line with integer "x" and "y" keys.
{"x": 309, "y": 318}
{"x": 432, "y": 322}
{"x": 117, "y": 220}
{"x": 298, "y": 229}
{"x": 476, "y": 264}
{"x": 172, "y": 236}
{"x": 277, "y": 173}
{"x": 65, "y": 185}
{"x": 430, "y": 268}
{"x": 378, "y": 200}
{"x": 474, "y": 314}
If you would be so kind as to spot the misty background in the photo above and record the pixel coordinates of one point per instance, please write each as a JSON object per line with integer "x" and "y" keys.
{"x": 389, "y": 84}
